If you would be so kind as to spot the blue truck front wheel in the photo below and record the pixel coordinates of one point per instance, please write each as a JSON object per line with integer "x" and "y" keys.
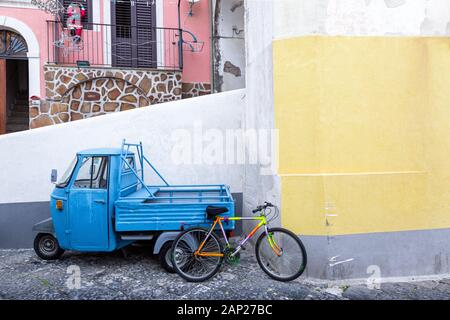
{"x": 47, "y": 246}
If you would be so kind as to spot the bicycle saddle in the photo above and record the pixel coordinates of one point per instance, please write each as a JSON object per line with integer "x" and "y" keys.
{"x": 213, "y": 211}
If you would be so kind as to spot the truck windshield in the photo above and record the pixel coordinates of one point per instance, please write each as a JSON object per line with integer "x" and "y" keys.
{"x": 65, "y": 178}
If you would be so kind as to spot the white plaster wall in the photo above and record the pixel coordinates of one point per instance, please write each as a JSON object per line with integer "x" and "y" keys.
{"x": 28, "y": 157}
{"x": 17, "y": 3}
{"x": 231, "y": 43}
{"x": 259, "y": 109}
{"x": 361, "y": 17}
{"x": 233, "y": 51}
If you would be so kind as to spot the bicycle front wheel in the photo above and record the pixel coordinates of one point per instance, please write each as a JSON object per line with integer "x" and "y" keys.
{"x": 281, "y": 254}
{"x": 200, "y": 267}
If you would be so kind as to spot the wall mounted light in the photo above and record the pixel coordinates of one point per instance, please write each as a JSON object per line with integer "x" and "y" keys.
{"x": 191, "y": 4}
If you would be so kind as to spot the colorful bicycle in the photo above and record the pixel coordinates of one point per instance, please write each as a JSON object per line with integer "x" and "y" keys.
{"x": 198, "y": 253}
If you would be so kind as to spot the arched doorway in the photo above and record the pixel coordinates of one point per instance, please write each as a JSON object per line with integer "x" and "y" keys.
{"x": 14, "y": 82}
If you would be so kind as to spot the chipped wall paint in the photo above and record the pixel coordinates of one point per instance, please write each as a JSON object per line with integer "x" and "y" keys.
{"x": 228, "y": 45}
{"x": 361, "y": 17}
{"x": 259, "y": 108}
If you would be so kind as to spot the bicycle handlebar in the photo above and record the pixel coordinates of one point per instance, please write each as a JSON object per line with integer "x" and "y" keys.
{"x": 262, "y": 207}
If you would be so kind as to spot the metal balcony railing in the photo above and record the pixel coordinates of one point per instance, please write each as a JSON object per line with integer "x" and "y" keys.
{"x": 106, "y": 45}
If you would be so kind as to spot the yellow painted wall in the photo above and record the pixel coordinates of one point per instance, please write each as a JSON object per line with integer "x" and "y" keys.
{"x": 364, "y": 126}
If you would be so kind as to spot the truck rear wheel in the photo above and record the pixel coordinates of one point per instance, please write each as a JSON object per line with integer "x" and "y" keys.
{"x": 47, "y": 247}
{"x": 165, "y": 257}
{"x": 195, "y": 267}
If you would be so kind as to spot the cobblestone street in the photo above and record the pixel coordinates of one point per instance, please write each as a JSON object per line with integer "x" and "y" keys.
{"x": 139, "y": 276}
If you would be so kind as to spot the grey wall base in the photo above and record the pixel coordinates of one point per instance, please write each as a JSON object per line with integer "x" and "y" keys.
{"x": 17, "y": 219}
{"x": 394, "y": 254}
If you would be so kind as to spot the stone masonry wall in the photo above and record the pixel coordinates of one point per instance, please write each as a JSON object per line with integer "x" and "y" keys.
{"x": 74, "y": 94}
{"x": 195, "y": 89}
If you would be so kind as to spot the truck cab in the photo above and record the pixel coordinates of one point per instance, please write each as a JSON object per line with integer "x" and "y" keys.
{"x": 101, "y": 203}
{"x": 82, "y": 201}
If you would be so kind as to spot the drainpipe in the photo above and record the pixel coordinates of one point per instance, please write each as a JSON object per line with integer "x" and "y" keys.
{"x": 180, "y": 42}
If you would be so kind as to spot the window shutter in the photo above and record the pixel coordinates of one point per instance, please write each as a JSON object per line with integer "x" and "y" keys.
{"x": 146, "y": 35}
{"x": 123, "y": 19}
{"x": 134, "y": 36}
{"x": 122, "y": 35}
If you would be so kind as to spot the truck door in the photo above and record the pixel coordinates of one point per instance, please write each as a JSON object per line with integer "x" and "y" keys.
{"x": 88, "y": 205}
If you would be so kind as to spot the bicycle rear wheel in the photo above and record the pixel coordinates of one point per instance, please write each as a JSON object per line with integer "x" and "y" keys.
{"x": 281, "y": 254}
{"x": 196, "y": 268}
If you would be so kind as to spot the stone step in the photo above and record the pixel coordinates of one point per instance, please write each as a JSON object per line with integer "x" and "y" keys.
{"x": 16, "y": 127}
{"x": 17, "y": 120}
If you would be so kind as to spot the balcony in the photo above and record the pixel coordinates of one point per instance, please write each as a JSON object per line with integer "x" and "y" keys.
{"x": 104, "y": 68}
{"x": 115, "y": 46}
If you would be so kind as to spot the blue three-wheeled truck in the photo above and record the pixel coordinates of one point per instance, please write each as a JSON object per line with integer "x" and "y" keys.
{"x": 102, "y": 203}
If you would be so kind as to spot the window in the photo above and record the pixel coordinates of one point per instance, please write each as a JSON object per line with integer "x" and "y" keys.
{"x": 12, "y": 44}
{"x": 64, "y": 180}
{"x": 87, "y": 4}
{"x": 93, "y": 173}
{"x": 84, "y": 174}
{"x": 123, "y": 19}
{"x": 130, "y": 161}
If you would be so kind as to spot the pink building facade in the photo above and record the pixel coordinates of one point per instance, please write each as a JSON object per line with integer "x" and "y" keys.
{"x": 120, "y": 55}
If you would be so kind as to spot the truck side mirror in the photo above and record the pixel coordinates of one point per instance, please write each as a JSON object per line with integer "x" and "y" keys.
{"x": 54, "y": 176}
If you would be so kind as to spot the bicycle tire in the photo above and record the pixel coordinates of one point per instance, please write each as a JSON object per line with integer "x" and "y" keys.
{"x": 176, "y": 247}
{"x": 302, "y": 265}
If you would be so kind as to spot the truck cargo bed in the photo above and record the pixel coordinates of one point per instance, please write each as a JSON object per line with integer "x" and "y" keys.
{"x": 171, "y": 207}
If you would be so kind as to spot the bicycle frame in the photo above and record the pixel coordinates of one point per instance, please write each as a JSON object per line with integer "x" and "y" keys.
{"x": 262, "y": 222}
